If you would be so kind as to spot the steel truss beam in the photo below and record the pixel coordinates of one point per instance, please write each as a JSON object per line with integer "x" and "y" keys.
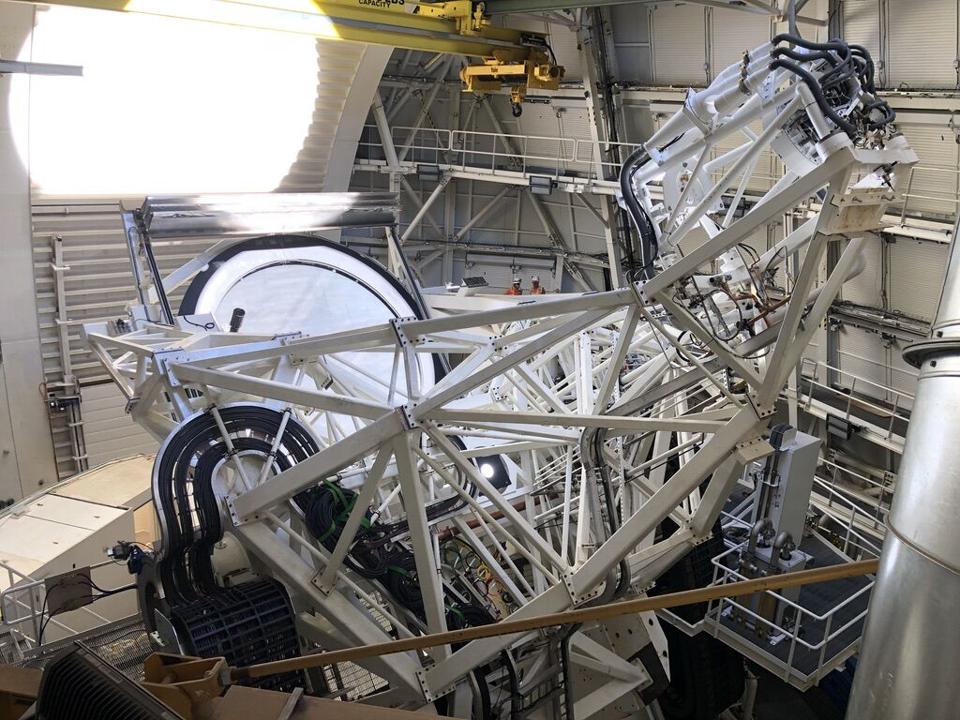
{"x": 559, "y": 420}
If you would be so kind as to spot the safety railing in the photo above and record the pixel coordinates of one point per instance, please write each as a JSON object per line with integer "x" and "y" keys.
{"x": 802, "y": 624}
{"x": 854, "y": 396}
{"x": 915, "y": 202}
{"x": 820, "y": 642}
{"x": 560, "y": 156}
{"x": 25, "y": 612}
{"x": 552, "y": 156}
{"x": 841, "y": 507}
{"x": 879, "y": 492}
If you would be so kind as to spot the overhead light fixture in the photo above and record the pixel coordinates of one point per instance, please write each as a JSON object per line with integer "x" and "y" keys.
{"x": 541, "y": 185}
{"x": 429, "y": 173}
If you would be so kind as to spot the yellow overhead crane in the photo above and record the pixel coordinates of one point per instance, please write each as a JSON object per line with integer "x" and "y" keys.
{"x": 516, "y": 59}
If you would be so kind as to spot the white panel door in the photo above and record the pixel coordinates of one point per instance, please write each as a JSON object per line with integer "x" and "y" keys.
{"x": 678, "y": 38}
{"x": 922, "y": 44}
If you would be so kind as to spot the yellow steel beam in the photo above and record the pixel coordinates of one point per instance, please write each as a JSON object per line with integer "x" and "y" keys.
{"x": 378, "y": 22}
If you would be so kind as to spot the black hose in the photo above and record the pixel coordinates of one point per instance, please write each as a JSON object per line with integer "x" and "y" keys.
{"x": 855, "y": 60}
{"x": 870, "y": 68}
{"x": 791, "y": 54}
{"x": 641, "y": 220}
{"x": 838, "y": 46}
{"x": 811, "y": 82}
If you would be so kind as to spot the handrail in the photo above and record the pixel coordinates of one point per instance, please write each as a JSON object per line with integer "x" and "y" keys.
{"x": 850, "y": 398}
{"x": 30, "y": 585}
{"x": 570, "y": 154}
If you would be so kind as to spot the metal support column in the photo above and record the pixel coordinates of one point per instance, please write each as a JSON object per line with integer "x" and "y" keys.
{"x": 412, "y": 194}
{"x": 481, "y": 213}
{"x": 425, "y": 208}
{"x": 386, "y": 140}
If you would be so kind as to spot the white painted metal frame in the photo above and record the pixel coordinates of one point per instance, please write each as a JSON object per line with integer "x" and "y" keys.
{"x": 575, "y": 393}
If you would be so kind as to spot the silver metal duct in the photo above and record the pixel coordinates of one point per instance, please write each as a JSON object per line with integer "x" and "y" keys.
{"x": 911, "y": 647}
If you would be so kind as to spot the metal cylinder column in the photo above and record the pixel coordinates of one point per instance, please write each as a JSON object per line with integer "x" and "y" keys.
{"x": 911, "y": 647}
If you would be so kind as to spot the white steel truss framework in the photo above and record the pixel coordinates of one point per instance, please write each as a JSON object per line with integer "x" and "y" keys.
{"x": 537, "y": 474}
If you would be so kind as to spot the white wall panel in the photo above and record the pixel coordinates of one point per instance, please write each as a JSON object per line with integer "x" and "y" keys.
{"x": 26, "y": 448}
{"x": 916, "y": 276}
{"x": 816, "y": 350}
{"x": 863, "y": 355}
{"x": 734, "y": 32}
{"x": 867, "y": 287}
{"x": 935, "y": 180}
{"x": 678, "y": 35}
{"x": 631, "y": 43}
{"x": 109, "y": 432}
{"x": 922, "y": 43}
{"x": 861, "y": 24}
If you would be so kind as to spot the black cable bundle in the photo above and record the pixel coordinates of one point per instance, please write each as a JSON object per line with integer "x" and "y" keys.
{"x": 250, "y": 622}
{"x": 848, "y": 62}
{"x": 185, "y": 498}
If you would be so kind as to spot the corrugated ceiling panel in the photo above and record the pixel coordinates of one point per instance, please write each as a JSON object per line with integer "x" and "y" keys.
{"x": 922, "y": 44}
{"x": 733, "y": 33}
{"x": 679, "y": 45}
{"x": 916, "y": 276}
{"x": 337, "y": 64}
